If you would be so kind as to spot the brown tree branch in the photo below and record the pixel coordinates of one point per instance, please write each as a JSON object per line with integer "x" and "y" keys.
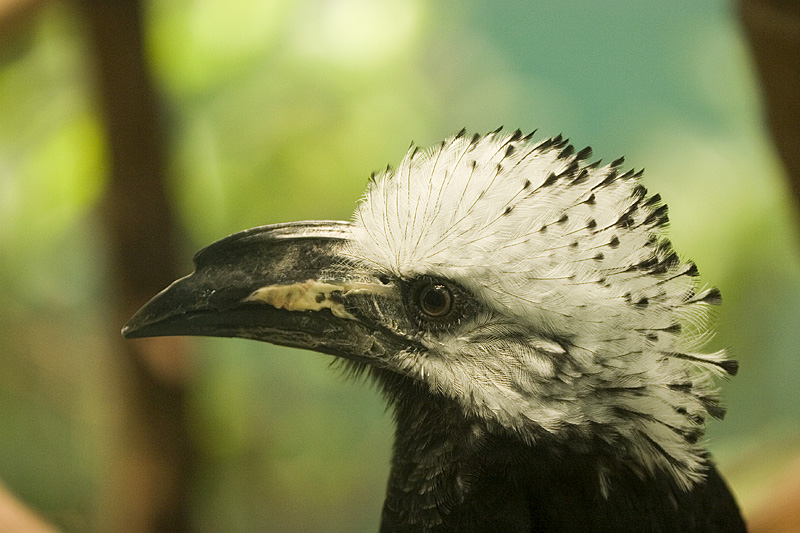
{"x": 150, "y": 487}
{"x": 15, "y": 21}
{"x": 773, "y": 29}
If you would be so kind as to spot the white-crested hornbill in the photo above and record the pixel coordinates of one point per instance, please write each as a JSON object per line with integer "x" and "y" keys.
{"x": 537, "y": 337}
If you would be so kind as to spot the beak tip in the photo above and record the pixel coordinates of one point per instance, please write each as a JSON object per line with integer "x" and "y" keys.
{"x": 129, "y": 330}
{"x": 137, "y": 326}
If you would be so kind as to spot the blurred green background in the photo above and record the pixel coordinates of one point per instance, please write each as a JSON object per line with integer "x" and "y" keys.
{"x": 278, "y": 110}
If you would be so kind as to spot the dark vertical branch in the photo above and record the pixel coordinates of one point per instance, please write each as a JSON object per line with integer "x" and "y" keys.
{"x": 15, "y": 19}
{"x": 150, "y": 485}
{"x": 773, "y": 29}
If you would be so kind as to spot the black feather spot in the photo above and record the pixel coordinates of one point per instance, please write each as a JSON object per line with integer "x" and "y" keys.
{"x": 510, "y": 149}
{"x": 584, "y": 153}
{"x": 599, "y": 256}
{"x": 664, "y": 246}
{"x": 526, "y": 184}
{"x": 731, "y": 367}
{"x": 657, "y": 217}
{"x": 612, "y": 175}
{"x": 672, "y": 261}
{"x": 543, "y": 229}
{"x": 639, "y": 191}
{"x": 618, "y": 162}
{"x": 563, "y": 219}
{"x": 653, "y": 200}
{"x": 590, "y": 200}
{"x": 693, "y": 436}
{"x": 336, "y": 297}
{"x": 475, "y": 138}
{"x": 625, "y": 221}
{"x": 697, "y": 418}
{"x": 713, "y": 407}
{"x": 614, "y": 242}
{"x": 685, "y": 386}
{"x": 551, "y": 179}
{"x": 461, "y": 133}
{"x": 496, "y": 130}
{"x": 712, "y": 296}
{"x": 591, "y": 224}
{"x": 319, "y": 298}
{"x": 643, "y": 302}
{"x": 573, "y": 244}
{"x": 507, "y": 210}
{"x": 652, "y": 337}
{"x": 581, "y": 177}
{"x": 517, "y": 135}
{"x": 645, "y": 264}
{"x": 566, "y": 152}
{"x": 571, "y": 169}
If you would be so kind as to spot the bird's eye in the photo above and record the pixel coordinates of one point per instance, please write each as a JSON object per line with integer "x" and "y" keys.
{"x": 436, "y": 303}
{"x": 435, "y": 300}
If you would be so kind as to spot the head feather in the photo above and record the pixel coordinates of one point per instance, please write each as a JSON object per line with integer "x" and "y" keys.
{"x": 590, "y": 306}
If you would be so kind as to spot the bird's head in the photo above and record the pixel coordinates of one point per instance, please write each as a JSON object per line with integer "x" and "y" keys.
{"x": 530, "y": 286}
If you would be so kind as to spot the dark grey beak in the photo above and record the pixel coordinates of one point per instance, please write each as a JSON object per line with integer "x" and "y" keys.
{"x": 288, "y": 284}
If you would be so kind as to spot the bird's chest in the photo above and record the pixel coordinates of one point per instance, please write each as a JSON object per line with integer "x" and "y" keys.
{"x": 455, "y": 483}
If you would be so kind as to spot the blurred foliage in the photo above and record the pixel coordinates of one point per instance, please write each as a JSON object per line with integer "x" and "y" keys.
{"x": 278, "y": 110}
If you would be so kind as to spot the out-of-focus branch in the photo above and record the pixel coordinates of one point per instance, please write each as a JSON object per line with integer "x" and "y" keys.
{"x": 13, "y": 12}
{"x": 15, "y": 19}
{"x": 773, "y": 28}
{"x": 149, "y": 490}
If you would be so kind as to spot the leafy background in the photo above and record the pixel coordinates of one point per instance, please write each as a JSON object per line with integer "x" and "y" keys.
{"x": 278, "y": 110}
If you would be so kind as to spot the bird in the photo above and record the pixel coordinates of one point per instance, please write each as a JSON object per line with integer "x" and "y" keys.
{"x": 537, "y": 337}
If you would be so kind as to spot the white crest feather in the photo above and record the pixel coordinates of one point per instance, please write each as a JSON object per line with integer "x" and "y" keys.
{"x": 570, "y": 259}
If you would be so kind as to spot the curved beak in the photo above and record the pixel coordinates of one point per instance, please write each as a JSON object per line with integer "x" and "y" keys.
{"x": 288, "y": 284}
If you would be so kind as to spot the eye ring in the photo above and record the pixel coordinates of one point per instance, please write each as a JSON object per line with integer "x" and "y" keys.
{"x": 435, "y": 300}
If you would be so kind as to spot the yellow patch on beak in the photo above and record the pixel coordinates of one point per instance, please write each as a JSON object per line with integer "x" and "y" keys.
{"x": 310, "y": 295}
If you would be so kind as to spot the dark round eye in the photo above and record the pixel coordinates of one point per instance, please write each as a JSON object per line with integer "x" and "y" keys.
{"x": 435, "y": 300}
